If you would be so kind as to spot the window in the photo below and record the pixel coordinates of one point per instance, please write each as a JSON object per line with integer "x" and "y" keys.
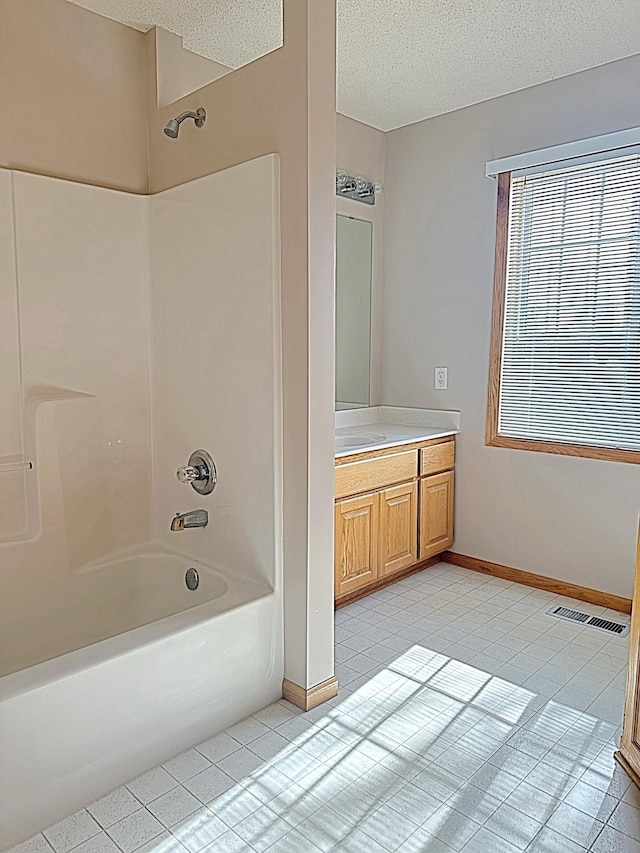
{"x": 565, "y": 343}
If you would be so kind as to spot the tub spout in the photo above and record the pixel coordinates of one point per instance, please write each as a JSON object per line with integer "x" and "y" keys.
{"x": 195, "y": 518}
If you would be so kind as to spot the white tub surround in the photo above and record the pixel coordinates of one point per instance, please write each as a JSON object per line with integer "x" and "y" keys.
{"x": 379, "y": 427}
{"x": 143, "y": 586}
{"x": 110, "y": 663}
{"x": 79, "y": 725}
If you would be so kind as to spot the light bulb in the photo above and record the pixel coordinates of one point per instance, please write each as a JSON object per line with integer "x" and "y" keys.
{"x": 377, "y": 188}
{"x": 361, "y": 183}
{"x": 341, "y": 178}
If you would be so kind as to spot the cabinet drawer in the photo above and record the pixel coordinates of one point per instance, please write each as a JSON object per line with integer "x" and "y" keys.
{"x": 368, "y": 474}
{"x": 438, "y": 457}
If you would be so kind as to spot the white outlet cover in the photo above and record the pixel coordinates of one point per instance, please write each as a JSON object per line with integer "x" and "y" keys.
{"x": 440, "y": 378}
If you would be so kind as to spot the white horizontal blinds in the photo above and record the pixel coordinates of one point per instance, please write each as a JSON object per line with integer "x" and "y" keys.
{"x": 571, "y": 339}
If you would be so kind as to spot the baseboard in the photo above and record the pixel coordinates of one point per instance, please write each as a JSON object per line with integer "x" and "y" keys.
{"x": 309, "y": 697}
{"x": 350, "y": 597}
{"x": 593, "y": 596}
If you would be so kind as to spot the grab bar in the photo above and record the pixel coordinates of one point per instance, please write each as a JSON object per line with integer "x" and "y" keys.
{"x": 15, "y": 466}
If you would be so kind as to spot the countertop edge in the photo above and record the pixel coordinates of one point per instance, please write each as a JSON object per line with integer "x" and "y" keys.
{"x": 397, "y": 442}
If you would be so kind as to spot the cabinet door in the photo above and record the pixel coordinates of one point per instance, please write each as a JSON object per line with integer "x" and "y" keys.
{"x": 398, "y": 528}
{"x": 436, "y": 514}
{"x": 356, "y": 552}
{"x": 629, "y": 754}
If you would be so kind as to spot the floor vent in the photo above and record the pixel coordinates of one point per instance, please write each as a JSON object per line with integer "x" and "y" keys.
{"x": 619, "y": 628}
{"x": 608, "y": 625}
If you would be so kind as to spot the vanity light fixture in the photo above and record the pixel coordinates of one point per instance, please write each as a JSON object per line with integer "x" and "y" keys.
{"x": 357, "y": 188}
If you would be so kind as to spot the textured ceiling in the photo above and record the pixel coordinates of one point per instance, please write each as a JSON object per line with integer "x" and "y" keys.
{"x": 400, "y": 61}
{"x": 232, "y": 32}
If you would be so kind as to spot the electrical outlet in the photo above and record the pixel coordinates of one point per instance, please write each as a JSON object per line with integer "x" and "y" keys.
{"x": 440, "y": 378}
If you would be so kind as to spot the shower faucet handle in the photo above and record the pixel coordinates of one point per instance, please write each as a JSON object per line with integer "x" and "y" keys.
{"x": 200, "y": 471}
{"x": 188, "y": 473}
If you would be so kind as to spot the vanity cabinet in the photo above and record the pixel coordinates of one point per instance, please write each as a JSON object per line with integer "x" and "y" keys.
{"x": 398, "y": 531}
{"x": 356, "y": 542}
{"x": 393, "y": 511}
{"x": 436, "y": 514}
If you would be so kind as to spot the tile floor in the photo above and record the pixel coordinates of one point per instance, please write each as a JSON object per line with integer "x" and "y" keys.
{"x": 467, "y": 721}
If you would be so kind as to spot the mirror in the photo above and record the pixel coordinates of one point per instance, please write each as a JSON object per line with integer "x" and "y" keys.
{"x": 354, "y": 242}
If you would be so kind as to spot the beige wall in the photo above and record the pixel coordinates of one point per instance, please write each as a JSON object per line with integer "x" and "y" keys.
{"x": 73, "y": 96}
{"x": 569, "y": 518}
{"x": 285, "y": 102}
{"x": 180, "y": 72}
{"x": 360, "y": 150}
{"x": 57, "y": 59}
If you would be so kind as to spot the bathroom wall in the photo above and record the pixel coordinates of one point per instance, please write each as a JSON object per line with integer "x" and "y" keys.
{"x": 74, "y": 83}
{"x": 76, "y": 395}
{"x": 73, "y": 94}
{"x": 360, "y": 150}
{"x": 570, "y": 518}
{"x": 179, "y": 71}
{"x": 13, "y": 508}
{"x": 284, "y": 103}
{"x": 216, "y": 364}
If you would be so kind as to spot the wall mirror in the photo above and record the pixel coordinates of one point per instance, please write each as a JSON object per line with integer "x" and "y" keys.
{"x": 354, "y": 243}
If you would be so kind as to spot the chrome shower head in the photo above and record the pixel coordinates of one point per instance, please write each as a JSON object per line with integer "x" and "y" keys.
{"x": 172, "y": 128}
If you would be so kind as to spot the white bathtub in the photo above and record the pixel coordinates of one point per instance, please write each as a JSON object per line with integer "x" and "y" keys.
{"x": 176, "y": 666}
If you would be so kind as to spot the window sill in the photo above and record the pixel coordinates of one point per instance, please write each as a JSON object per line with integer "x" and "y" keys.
{"x": 608, "y": 454}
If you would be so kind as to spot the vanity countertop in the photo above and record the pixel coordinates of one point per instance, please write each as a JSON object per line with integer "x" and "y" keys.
{"x": 379, "y": 427}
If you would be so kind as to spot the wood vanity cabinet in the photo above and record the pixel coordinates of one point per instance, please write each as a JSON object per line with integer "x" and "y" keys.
{"x": 398, "y": 532}
{"x": 356, "y": 538}
{"x": 436, "y": 514}
{"x": 393, "y": 510}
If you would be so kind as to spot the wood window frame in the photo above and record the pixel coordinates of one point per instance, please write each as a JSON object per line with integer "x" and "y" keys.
{"x": 493, "y": 437}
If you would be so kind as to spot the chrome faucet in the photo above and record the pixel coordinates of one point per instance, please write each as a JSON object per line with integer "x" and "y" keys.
{"x": 195, "y": 518}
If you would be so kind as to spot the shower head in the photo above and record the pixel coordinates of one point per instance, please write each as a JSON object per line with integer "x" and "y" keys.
{"x": 172, "y": 128}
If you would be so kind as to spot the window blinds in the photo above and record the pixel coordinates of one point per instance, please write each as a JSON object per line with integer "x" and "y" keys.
{"x": 570, "y": 369}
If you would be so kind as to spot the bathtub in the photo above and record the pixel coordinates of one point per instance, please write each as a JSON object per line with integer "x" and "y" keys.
{"x": 134, "y": 678}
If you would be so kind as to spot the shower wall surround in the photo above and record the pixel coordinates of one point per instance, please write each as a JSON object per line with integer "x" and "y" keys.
{"x": 74, "y": 278}
{"x": 60, "y": 57}
{"x": 13, "y": 509}
{"x": 113, "y": 307}
{"x": 216, "y": 362}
